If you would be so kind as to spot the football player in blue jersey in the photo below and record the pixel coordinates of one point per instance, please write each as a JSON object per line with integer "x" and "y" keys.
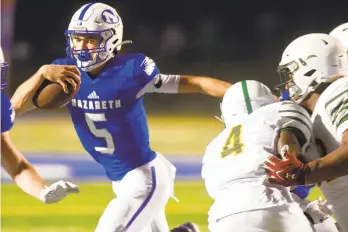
{"x": 110, "y": 120}
{"x": 16, "y": 165}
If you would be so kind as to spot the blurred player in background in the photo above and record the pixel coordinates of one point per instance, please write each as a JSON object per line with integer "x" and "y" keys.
{"x": 110, "y": 120}
{"x": 307, "y": 67}
{"x": 233, "y": 170}
{"x": 15, "y": 164}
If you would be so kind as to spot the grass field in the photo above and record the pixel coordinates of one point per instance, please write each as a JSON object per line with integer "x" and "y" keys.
{"x": 80, "y": 213}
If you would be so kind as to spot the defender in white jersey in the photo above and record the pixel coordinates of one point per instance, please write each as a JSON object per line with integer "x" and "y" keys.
{"x": 233, "y": 162}
{"x": 306, "y": 67}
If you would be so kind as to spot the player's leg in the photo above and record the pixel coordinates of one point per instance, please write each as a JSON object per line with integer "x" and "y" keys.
{"x": 292, "y": 218}
{"x": 328, "y": 225}
{"x": 156, "y": 206}
{"x": 160, "y": 223}
{"x": 141, "y": 196}
{"x": 135, "y": 211}
{"x": 277, "y": 219}
{"x": 336, "y": 192}
{"x": 112, "y": 217}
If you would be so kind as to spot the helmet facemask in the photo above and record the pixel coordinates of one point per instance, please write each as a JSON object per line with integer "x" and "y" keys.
{"x": 288, "y": 88}
{"x": 298, "y": 80}
{"x": 88, "y": 59}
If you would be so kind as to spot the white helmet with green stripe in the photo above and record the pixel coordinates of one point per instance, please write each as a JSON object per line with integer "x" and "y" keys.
{"x": 242, "y": 98}
{"x": 341, "y": 33}
{"x": 310, "y": 60}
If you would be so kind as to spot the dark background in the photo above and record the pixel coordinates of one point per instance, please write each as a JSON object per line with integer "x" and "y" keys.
{"x": 229, "y": 40}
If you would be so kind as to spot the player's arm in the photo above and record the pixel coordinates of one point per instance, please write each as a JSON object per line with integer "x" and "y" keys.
{"x": 27, "y": 178}
{"x": 334, "y": 164}
{"x": 152, "y": 81}
{"x": 168, "y": 83}
{"x": 22, "y": 98}
{"x": 295, "y": 129}
{"x": 19, "y": 169}
{"x": 206, "y": 85}
{"x": 288, "y": 138}
{"x": 295, "y": 134}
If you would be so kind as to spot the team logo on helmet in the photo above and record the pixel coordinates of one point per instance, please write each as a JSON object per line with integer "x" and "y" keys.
{"x": 109, "y": 17}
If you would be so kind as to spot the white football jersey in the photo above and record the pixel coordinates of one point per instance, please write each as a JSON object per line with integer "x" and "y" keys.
{"x": 330, "y": 120}
{"x": 330, "y": 116}
{"x": 233, "y": 162}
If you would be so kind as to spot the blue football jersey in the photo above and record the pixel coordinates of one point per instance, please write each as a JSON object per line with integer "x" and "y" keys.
{"x": 109, "y": 120}
{"x": 7, "y": 113}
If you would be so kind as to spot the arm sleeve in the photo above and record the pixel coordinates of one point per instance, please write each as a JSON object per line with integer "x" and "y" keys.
{"x": 162, "y": 83}
{"x": 294, "y": 118}
{"x": 336, "y": 107}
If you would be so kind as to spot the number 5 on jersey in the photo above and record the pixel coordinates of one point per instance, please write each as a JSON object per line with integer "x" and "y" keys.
{"x": 233, "y": 144}
{"x": 91, "y": 118}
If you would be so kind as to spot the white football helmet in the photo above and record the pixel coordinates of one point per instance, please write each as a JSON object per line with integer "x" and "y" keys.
{"x": 310, "y": 60}
{"x": 3, "y": 70}
{"x": 95, "y": 19}
{"x": 242, "y": 98}
{"x": 341, "y": 33}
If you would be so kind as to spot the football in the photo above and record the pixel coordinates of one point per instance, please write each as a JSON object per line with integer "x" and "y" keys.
{"x": 50, "y": 95}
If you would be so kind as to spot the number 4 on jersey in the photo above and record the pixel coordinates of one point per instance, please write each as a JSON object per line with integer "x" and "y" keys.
{"x": 233, "y": 144}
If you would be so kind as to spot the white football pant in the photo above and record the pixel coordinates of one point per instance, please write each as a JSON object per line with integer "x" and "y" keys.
{"x": 336, "y": 193}
{"x": 141, "y": 199}
{"x": 328, "y": 225}
{"x": 285, "y": 218}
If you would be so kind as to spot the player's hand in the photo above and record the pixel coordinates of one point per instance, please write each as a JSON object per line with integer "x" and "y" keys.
{"x": 286, "y": 169}
{"x": 319, "y": 210}
{"x": 61, "y": 74}
{"x": 325, "y": 207}
{"x": 57, "y": 191}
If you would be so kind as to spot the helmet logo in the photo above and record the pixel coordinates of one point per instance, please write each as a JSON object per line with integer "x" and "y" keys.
{"x": 109, "y": 17}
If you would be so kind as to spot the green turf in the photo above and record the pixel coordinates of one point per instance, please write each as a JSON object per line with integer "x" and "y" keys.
{"x": 80, "y": 213}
